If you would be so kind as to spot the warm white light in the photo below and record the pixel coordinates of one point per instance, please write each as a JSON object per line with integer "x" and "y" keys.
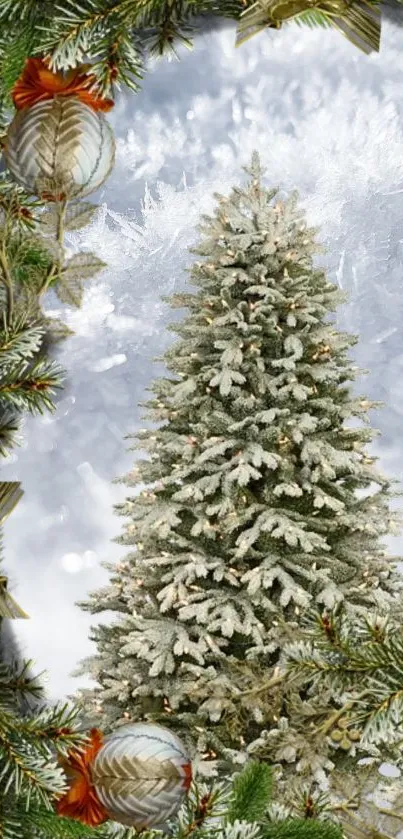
{"x": 72, "y": 563}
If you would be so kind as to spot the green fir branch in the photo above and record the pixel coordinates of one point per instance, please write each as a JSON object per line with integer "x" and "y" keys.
{"x": 9, "y": 430}
{"x": 300, "y": 829}
{"x": 29, "y": 744}
{"x": 362, "y": 660}
{"x": 252, "y": 791}
{"x": 31, "y": 388}
{"x": 19, "y": 343}
{"x": 38, "y": 821}
{"x": 16, "y": 683}
{"x": 13, "y": 57}
{"x": 17, "y": 11}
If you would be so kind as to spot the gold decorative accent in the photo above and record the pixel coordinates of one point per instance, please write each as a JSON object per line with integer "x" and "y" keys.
{"x": 358, "y": 20}
{"x": 10, "y": 494}
{"x": 8, "y": 607}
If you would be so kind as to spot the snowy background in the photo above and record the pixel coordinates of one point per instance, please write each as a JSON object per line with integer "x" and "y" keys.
{"x": 325, "y": 119}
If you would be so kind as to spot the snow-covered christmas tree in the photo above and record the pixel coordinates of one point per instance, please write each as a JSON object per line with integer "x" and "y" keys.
{"x": 262, "y": 503}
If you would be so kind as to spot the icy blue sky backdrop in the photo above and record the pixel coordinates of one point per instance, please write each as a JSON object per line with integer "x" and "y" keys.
{"x": 325, "y": 119}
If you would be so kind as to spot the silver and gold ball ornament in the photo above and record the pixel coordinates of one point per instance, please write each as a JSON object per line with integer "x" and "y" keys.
{"x": 60, "y": 148}
{"x": 141, "y": 775}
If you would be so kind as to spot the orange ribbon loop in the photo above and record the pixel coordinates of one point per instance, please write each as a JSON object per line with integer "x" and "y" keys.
{"x": 37, "y": 83}
{"x": 81, "y": 801}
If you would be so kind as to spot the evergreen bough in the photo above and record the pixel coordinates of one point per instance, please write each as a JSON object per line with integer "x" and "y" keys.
{"x": 31, "y": 262}
{"x": 119, "y": 36}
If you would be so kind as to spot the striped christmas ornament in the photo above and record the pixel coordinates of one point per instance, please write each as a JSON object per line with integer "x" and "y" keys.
{"x": 59, "y": 148}
{"x": 137, "y": 776}
{"x": 141, "y": 775}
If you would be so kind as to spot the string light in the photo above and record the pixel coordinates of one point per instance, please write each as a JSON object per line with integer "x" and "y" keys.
{"x": 325, "y": 350}
{"x": 121, "y": 566}
{"x": 167, "y": 706}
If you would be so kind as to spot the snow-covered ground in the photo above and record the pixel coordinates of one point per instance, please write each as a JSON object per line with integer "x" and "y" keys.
{"x": 326, "y": 120}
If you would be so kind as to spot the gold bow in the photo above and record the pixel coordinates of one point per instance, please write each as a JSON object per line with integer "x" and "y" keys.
{"x": 10, "y": 494}
{"x": 358, "y": 20}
